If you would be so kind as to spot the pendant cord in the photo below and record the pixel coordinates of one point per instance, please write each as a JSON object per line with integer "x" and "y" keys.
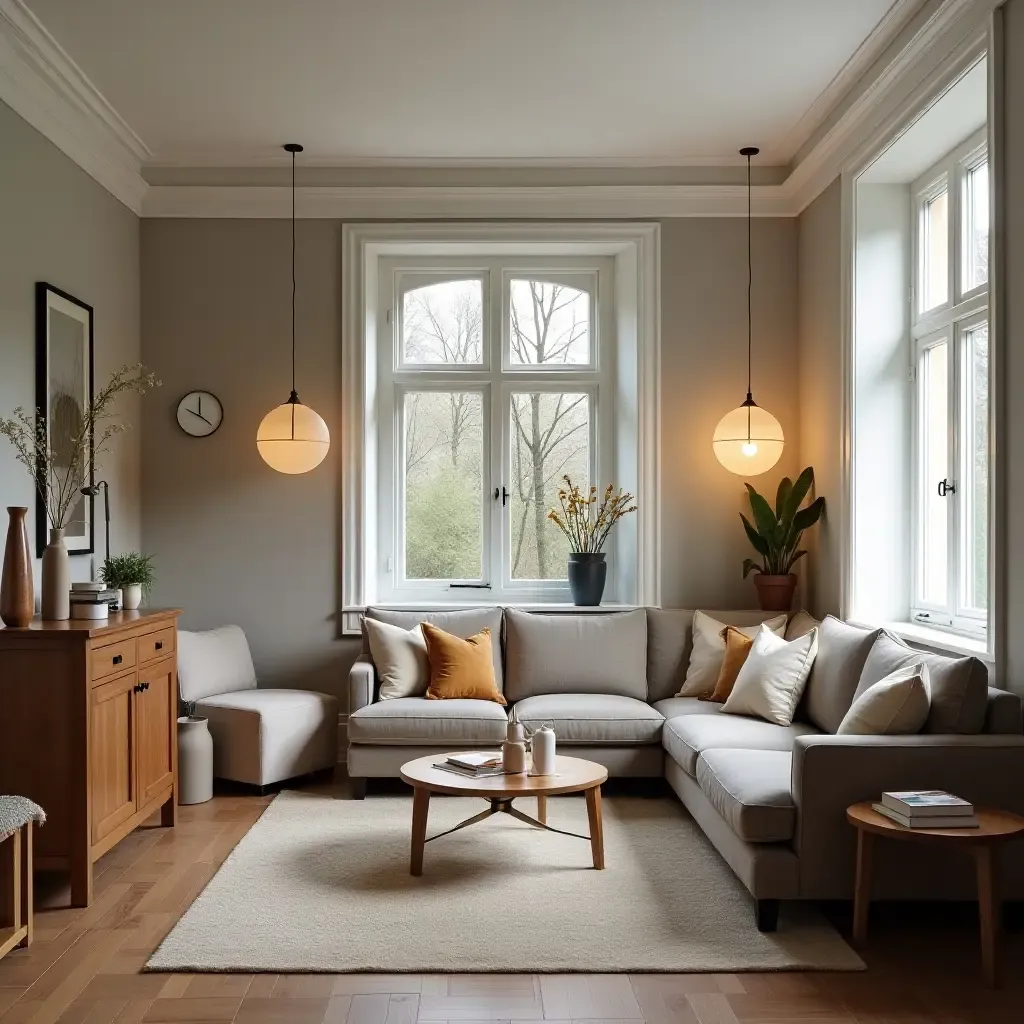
{"x": 750, "y": 280}
{"x": 293, "y": 273}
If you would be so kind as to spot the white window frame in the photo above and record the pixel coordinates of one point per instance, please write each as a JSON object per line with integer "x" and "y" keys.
{"x": 628, "y": 371}
{"x": 963, "y": 310}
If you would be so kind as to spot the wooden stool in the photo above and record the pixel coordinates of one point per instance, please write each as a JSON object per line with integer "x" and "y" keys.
{"x": 995, "y": 827}
{"x": 16, "y": 889}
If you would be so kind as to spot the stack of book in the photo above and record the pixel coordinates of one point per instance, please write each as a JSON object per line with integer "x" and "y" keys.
{"x": 473, "y": 765}
{"x": 927, "y": 808}
{"x": 92, "y": 601}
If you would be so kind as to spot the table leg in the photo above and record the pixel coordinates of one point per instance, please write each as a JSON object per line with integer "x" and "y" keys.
{"x": 420, "y": 805}
{"x": 988, "y": 912}
{"x": 596, "y": 826}
{"x": 862, "y": 886}
{"x": 27, "y": 896}
{"x": 542, "y": 809}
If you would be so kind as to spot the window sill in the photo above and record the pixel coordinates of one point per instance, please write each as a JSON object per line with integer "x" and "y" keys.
{"x": 940, "y": 640}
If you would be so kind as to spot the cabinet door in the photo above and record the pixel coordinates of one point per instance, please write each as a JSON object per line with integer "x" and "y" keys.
{"x": 111, "y": 754}
{"x": 154, "y": 730}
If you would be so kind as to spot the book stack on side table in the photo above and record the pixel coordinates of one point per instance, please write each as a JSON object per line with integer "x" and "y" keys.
{"x": 473, "y": 765}
{"x": 927, "y": 808}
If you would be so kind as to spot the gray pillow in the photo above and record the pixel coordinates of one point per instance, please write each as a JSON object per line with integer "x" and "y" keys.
{"x": 551, "y": 653}
{"x": 842, "y": 652}
{"x": 959, "y": 686}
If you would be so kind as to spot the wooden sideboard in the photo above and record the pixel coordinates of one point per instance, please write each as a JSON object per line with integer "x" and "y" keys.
{"x": 88, "y": 729}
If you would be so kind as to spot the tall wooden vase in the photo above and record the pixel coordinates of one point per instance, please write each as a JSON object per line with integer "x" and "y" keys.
{"x": 17, "y": 595}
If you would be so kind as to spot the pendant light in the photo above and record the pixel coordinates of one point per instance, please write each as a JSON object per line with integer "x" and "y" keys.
{"x": 748, "y": 440}
{"x": 292, "y": 438}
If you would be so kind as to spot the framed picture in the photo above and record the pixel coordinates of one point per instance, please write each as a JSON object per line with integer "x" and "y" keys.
{"x": 64, "y": 392}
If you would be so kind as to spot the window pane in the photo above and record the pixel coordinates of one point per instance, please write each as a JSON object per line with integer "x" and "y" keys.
{"x": 935, "y": 251}
{"x": 549, "y": 324}
{"x": 975, "y": 241}
{"x": 550, "y": 439}
{"x": 442, "y": 323}
{"x": 975, "y": 475}
{"x": 935, "y": 448}
{"x": 443, "y": 440}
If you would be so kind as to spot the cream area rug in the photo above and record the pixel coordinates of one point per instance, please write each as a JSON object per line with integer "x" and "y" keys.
{"x": 323, "y": 884}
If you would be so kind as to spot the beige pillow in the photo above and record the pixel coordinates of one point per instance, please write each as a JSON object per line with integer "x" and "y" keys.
{"x": 708, "y": 651}
{"x": 400, "y": 657}
{"x": 896, "y": 705}
{"x": 773, "y": 677}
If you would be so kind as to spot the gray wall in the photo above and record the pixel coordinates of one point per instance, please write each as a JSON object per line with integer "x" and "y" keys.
{"x": 58, "y": 225}
{"x": 236, "y": 542}
{"x": 821, "y": 383}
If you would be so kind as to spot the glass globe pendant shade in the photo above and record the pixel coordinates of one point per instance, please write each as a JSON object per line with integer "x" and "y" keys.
{"x": 748, "y": 441}
{"x": 293, "y": 438}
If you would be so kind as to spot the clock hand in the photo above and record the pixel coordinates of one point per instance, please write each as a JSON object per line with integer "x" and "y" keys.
{"x": 203, "y": 418}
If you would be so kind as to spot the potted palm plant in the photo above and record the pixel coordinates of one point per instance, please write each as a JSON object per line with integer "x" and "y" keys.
{"x": 775, "y": 535}
{"x": 132, "y": 574}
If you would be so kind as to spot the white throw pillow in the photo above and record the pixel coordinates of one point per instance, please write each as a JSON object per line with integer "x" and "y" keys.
{"x": 896, "y": 705}
{"x": 709, "y": 651}
{"x": 400, "y": 656}
{"x": 773, "y": 677}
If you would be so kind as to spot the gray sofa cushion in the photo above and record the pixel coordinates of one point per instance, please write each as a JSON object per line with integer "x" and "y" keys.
{"x": 835, "y": 675}
{"x": 575, "y": 654}
{"x": 593, "y": 718}
{"x": 959, "y": 686}
{"x": 670, "y": 640}
{"x": 750, "y": 789}
{"x": 673, "y": 707}
{"x": 463, "y": 623}
{"x": 686, "y": 738}
{"x": 405, "y": 721}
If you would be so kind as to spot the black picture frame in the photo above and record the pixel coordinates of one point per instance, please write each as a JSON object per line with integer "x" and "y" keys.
{"x": 48, "y": 370}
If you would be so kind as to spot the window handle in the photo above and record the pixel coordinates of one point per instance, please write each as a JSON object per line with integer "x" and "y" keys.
{"x": 946, "y": 487}
{"x": 469, "y": 586}
{"x": 500, "y": 492}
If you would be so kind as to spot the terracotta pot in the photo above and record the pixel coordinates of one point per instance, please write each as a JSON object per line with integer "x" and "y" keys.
{"x": 775, "y": 592}
{"x": 17, "y": 595}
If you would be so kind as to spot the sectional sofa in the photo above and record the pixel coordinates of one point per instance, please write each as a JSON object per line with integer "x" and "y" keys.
{"x": 772, "y": 799}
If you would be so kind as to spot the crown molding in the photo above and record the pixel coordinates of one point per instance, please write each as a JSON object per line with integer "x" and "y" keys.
{"x": 422, "y": 202}
{"x": 41, "y": 83}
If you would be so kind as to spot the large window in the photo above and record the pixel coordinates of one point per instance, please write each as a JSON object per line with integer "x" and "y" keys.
{"x": 950, "y": 584}
{"x": 496, "y": 379}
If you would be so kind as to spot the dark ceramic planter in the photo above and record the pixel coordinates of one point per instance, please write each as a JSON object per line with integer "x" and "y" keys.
{"x": 587, "y": 572}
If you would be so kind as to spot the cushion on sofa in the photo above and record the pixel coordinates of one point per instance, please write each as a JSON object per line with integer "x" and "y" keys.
{"x": 593, "y": 718}
{"x": 674, "y": 707}
{"x": 575, "y": 654}
{"x": 708, "y": 651}
{"x": 670, "y": 640}
{"x": 799, "y": 624}
{"x": 895, "y": 706}
{"x": 464, "y": 623}
{"x": 842, "y": 651}
{"x": 750, "y": 789}
{"x": 959, "y": 686}
{"x": 405, "y": 721}
{"x": 688, "y": 737}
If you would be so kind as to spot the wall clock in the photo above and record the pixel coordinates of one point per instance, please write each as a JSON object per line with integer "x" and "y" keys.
{"x": 200, "y": 413}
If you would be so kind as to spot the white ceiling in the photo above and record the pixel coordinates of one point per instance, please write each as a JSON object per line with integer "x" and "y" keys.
{"x": 576, "y": 82}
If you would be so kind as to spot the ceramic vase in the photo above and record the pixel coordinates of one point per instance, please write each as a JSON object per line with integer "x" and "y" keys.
{"x": 587, "y": 572}
{"x": 56, "y": 603}
{"x": 195, "y": 761}
{"x": 542, "y": 744}
{"x": 132, "y": 593}
{"x": 17, "y": 595}
{"x": 513, "y": 750}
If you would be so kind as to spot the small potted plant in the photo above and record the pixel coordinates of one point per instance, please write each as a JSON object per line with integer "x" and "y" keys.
{"x": 587, "y": 525}
{"x": 776, "y": 535}
{"x": 132, "y": 574}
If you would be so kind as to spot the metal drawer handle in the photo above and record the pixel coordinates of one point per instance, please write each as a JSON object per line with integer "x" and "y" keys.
{"x": 118, "y": 659}
{"x": 136, "y": 688}
{"x": 159, "y": 645}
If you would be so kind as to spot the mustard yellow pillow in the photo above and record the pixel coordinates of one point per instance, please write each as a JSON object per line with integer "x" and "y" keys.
{"x": 460, "y": 668}
{"x": 737, "y": 647}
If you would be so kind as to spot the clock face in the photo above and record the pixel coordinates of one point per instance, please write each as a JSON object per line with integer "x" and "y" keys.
{"x": 199, "y": 413}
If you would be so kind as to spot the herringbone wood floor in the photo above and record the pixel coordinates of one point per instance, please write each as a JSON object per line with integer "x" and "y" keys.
{"x": 85, "y": 966}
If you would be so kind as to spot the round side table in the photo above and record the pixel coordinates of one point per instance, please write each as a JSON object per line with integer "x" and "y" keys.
{"x": 995, "y": 827}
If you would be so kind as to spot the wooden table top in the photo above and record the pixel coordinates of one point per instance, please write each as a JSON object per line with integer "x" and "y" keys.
{"x": 90, "y": 627}
{"x": 572, "y": 775}
{"x": 994, "y": 826}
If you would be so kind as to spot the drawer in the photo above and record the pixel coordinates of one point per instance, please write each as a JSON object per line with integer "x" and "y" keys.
{"x": 156, "y": 645}
{"x": 111, "y": 659}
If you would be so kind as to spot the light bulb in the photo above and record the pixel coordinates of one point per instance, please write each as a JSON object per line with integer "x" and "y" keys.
{"x": 749, "y": 449}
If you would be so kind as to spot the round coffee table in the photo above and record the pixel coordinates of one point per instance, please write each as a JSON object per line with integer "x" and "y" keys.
{"x": 994, "y": 827}
{"x": 572, "y": 775}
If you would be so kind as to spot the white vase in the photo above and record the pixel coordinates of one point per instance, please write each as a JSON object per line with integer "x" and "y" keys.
{"x": 542, "y": 745}
{"x": 132, "y": 596}
{"x": 56, "y": 599}
{"x": 195, "y": 761}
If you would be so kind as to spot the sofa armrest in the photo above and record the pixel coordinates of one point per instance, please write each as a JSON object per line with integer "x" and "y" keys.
{"x": 360, "y": 685}
{"x": 1004, "y": 713}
